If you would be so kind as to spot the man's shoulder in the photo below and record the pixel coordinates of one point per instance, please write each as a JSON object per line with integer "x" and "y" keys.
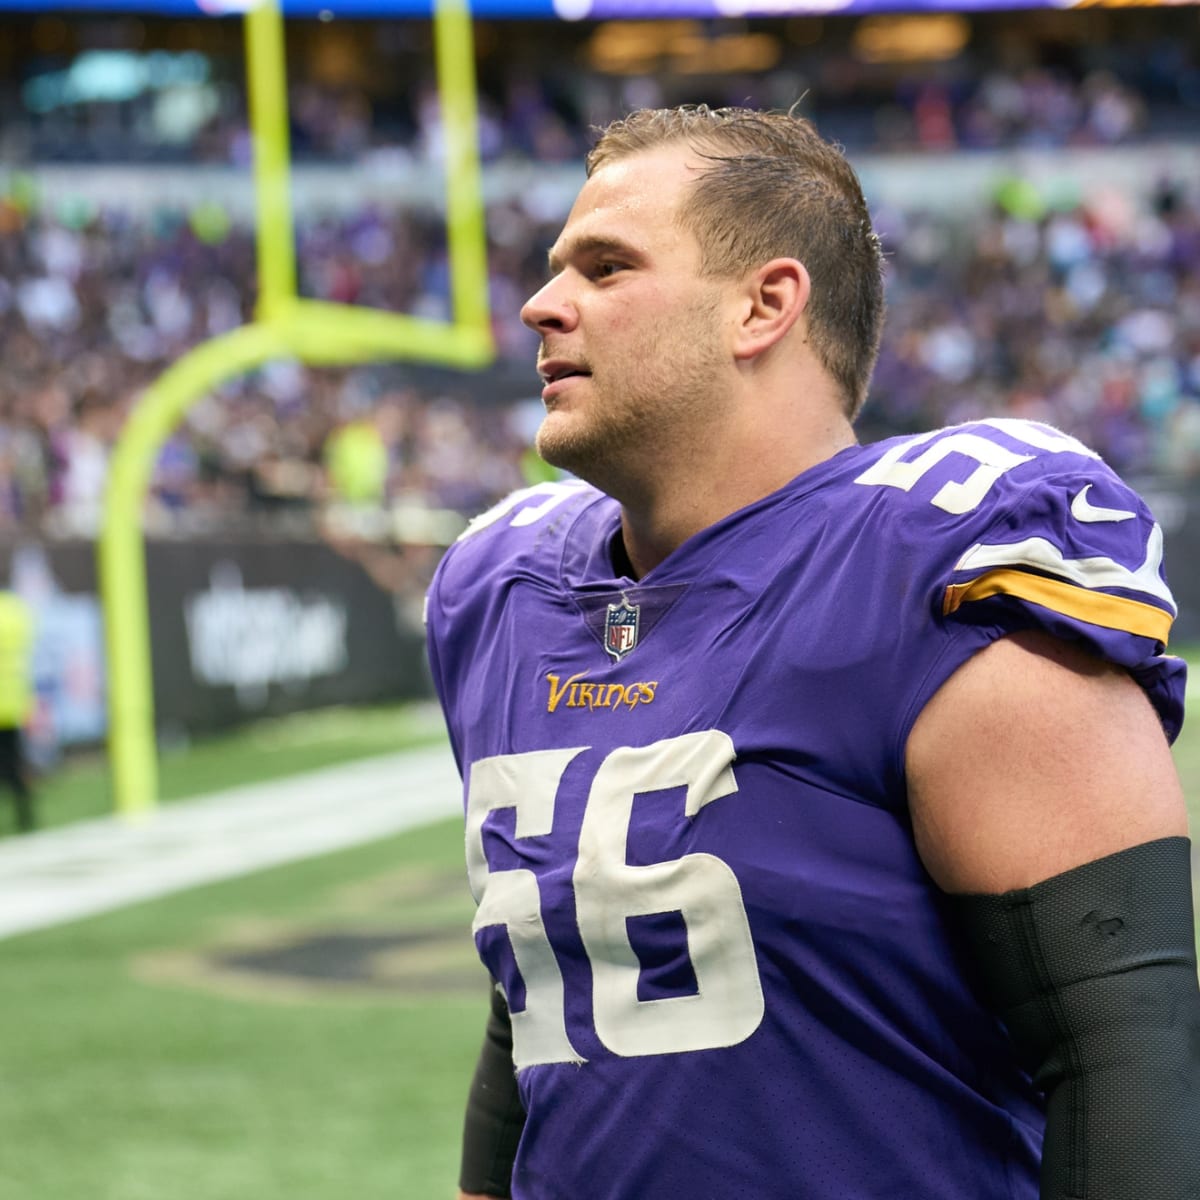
{"x": 1010, "y": 506}
{"x": 1011, "y": 526}
{"x": 524, "y": 532}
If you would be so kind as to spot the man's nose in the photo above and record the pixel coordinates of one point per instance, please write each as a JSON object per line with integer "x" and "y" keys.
{"x": 550, "y": 308}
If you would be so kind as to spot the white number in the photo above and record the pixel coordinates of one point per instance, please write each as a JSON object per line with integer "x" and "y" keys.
{"x": 993, "y": 459}
{"x": 548, "y": 496}
{"x": 962, "y": 497}
{"x": 728, "y": 1004}
{"x": 527, "y": 783}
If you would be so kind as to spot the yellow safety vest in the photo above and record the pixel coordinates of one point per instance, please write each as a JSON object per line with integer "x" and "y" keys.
{"x": 16, "y": 675}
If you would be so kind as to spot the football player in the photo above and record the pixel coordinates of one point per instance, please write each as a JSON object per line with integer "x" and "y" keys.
{"x": 819, "y": 802}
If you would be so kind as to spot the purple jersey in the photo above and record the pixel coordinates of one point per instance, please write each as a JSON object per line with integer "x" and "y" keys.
{"x": 686, "y": 820}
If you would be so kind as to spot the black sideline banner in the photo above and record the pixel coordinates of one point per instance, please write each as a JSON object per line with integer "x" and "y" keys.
{"x": 239, "y": 629}
{"x": 246, "y": 630}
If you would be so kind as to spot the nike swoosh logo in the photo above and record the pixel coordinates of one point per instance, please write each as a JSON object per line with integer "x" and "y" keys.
{"x": 1083, "y": 510}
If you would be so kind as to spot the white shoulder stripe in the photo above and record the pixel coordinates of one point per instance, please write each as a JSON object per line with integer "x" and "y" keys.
{"x": 1097, "y": 572}
{"x": 1044, "y": 437}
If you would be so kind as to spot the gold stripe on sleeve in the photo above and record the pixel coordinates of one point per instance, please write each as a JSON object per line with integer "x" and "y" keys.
{"x": 1097, "y": 608}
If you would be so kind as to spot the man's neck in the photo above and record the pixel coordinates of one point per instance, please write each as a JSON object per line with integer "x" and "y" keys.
{"x": 662, "y": 517}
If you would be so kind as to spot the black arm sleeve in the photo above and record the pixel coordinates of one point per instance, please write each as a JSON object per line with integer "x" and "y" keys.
{"x": 495, "y": 1116}
{"x": 1094, "y": 973}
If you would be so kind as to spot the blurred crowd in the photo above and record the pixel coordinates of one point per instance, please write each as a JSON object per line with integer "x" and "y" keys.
{"x": 1086, "y": 317}
{"x": 526, "y": 120}
{"x": 1083, "y": 314}
{"x": 131, "y": 89}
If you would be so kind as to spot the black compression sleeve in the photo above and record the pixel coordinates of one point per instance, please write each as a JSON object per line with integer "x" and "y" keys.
{"x": 495, "y": 1117}
{"x": 1094, "y": 973}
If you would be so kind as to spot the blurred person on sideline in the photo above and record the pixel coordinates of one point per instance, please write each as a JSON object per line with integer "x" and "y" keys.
{"x": 16, "y": 702}
{"x": 820, "y": 809}
{"x": 356, "y": 463}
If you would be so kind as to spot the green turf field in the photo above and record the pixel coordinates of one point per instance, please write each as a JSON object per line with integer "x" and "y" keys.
{"x": 187, "y": 1047}
{"x": 305, "y": 1033}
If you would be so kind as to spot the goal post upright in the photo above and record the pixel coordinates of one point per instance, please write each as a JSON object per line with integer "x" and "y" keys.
{"x": 466, "y": 236}
{"x": 285, "y": 326}
{"x": 266, "y": 88}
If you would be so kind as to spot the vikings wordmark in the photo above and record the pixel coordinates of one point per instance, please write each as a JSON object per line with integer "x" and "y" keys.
{"x": 582, "y": 693}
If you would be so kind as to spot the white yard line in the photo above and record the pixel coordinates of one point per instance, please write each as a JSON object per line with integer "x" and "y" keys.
{"x": 60, "y": 875}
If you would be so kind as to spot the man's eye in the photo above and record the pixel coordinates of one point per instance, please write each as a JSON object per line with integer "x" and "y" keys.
{"x": 603, "y": 270}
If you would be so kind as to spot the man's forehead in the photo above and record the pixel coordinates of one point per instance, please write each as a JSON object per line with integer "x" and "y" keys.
{"x": 627, "y": 204}
{"x": 645, "y": 175}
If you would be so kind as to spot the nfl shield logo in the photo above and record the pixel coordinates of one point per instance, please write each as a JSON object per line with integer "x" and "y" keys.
{"x": 621, "y": 628}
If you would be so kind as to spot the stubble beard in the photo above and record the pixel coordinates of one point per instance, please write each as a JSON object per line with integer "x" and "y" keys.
{"x": 616, "y": 437}
{"x": 593, "y": 435}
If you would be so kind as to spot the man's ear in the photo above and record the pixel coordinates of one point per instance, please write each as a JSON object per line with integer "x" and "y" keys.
{"x": 773, "y": 299}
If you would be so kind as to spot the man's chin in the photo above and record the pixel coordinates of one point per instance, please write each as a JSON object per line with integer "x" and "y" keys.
{"x": 560, "y": 443}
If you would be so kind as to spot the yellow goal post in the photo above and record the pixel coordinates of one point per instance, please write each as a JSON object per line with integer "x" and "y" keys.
{"x": 284, "y": 326}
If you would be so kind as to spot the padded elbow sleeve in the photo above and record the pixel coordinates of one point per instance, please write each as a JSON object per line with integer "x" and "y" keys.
{"x": 495, "y": 1116}
{"x": 1094, "y": 973}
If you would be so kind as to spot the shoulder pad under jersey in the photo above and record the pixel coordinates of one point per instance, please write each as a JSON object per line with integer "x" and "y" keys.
{"x": 522, "y": 534}
{"x": 520, "y": 524}
{"x": 1033, "y": 530}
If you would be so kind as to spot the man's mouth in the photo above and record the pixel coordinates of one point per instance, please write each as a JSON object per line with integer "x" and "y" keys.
{"x": 554, "y": 370}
